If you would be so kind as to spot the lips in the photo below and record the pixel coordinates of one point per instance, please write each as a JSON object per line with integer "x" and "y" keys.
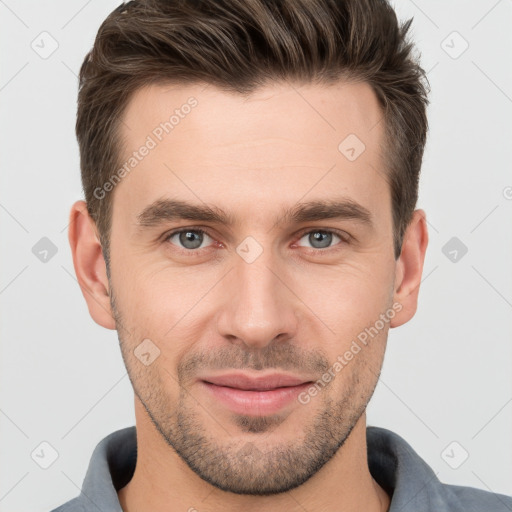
{"x": 262, "y": 383}
{"x": 254, "y": 395}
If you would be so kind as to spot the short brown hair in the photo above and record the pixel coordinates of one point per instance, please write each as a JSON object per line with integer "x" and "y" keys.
{"x": 239, "y": 45}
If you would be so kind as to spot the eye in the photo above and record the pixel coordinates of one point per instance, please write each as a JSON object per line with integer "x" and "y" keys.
{"x": 188, "y": 239}
{"x": 322, "y": 239}
{"x": 193, "y": 240}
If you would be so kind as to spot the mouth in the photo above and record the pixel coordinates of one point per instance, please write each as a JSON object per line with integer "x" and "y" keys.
{"x": 254, "y": 396}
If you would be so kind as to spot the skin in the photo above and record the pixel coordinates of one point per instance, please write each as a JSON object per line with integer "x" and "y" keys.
{"x": 291, "y": 308}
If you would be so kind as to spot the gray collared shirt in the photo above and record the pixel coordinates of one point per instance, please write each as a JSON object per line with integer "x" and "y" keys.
{"x": 397, "y": 468}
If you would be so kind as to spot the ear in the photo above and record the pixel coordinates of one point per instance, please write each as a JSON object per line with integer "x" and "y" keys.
{"x": 90, "y": 267}
{"x": 409, "y": 268}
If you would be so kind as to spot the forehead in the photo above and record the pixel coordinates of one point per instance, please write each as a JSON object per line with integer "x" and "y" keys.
{"x": 284, "y": 110}
{"x": 271, "y": 148}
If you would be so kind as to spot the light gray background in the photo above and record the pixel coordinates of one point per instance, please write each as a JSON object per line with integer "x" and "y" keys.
{"x": 447, "y": 373}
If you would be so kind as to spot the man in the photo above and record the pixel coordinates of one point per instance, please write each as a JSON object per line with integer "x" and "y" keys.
{"x": 251, "y": 173}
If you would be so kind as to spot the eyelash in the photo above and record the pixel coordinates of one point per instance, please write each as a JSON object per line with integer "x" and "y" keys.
{"x": 345, "y": 239}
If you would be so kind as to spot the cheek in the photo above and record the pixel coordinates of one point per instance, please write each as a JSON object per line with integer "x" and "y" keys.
{"x": 144, "y": 289}
{"x": 170, "y": 306}
{"x": 347, "y": 297}
{"x": 173, "y": 304}
{"x": 153, "y": 311}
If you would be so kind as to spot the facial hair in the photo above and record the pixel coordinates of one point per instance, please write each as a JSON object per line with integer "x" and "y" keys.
{"x": 240, "y": 466}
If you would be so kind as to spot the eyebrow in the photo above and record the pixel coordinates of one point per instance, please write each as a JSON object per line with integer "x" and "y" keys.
{"x": 166, "y": 210}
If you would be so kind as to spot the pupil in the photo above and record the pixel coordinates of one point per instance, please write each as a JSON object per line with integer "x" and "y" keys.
{"x": 190, "y": 239}
{"x": 322, "y": 237}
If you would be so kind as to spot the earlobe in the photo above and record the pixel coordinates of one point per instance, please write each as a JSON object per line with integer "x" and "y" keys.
{"x": 90, "y": 265}
{"x": 409, "y": 268}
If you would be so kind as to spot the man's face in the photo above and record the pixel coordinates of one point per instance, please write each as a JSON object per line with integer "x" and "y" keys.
{"x": 263, "y": 294}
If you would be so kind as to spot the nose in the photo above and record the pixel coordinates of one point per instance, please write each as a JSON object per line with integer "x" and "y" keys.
{"x": 258, "y": 305}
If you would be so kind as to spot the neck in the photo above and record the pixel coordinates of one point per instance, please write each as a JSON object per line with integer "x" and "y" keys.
{"x": 162, "y": 482}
